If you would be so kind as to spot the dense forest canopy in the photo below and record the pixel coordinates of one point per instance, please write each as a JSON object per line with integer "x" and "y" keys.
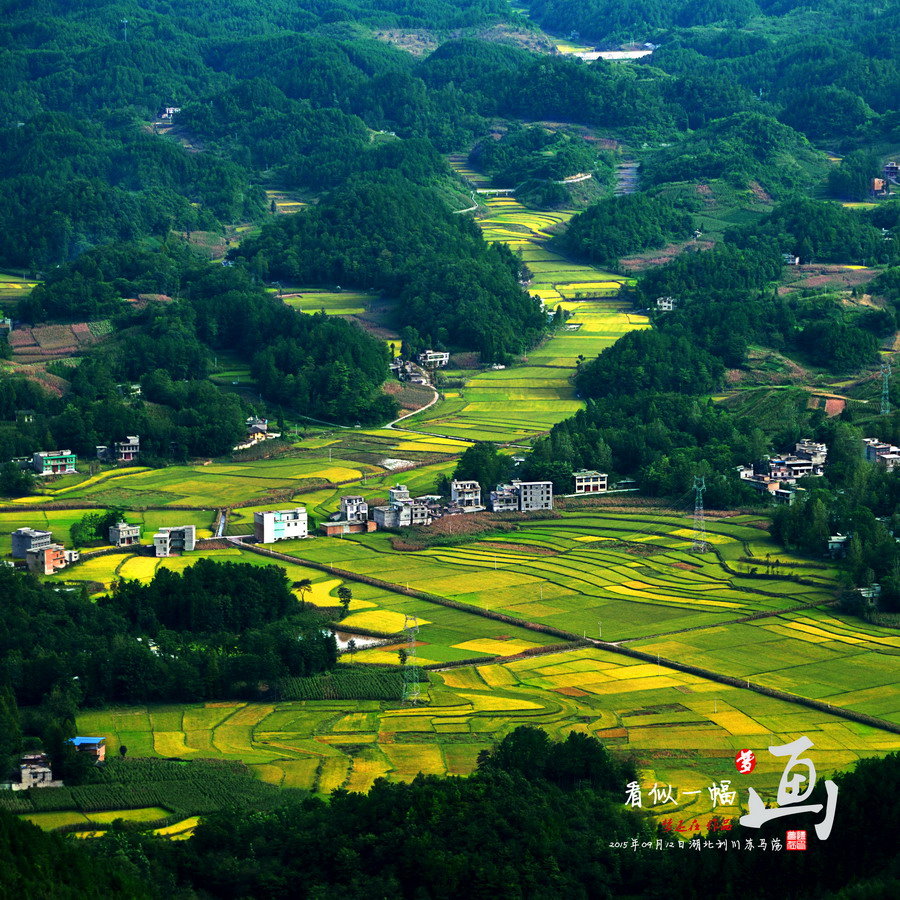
{"x": 217, "y": 630}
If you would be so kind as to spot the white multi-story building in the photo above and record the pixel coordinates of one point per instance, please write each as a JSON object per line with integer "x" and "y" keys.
{"x": 466, "y": 495}
{"x": 124, "y": 535}
{"x": 280, "y": 525}
{"x": 25, "y": 539}
{"x": 522, "y": 496}
{"x": 175, "y": 539}
{"x": 587, "y": 481}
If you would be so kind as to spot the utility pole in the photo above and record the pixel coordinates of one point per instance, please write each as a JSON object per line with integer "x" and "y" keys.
{"x": 699, "y": 545}
{"x": 886, "y": 388}
{"x": 124, "y": 24}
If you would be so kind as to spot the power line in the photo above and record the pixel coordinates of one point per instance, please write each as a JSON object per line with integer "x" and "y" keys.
{"x": 699, "y": 545}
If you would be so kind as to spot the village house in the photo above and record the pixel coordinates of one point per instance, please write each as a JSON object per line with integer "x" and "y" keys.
{"x": 466, "y": 495}
{"x": 587, "y": 481}
{"x": 124, "y": 535}
{"x": 175, "y": 539}
{"x": 169, "y": 112}
{"x": 280, "y": 525}
{"x": 25, "y": 539}
{"x": 816, "y": 453}
{"x": 352, "y": 519}
{"x": 53, "y": 462}
{"x": 33, "y": 772}
{"x": 837, "y": 544}
{"x": 790, "y": 259}
{"x": 892, "y": 171}
{"x": 49, "y": 559}
{"x": 666, "y": 304}
{"x": 121, "y": 451}
{"x": 880, "y": 187}
{"x": 434, "y": 359}
{"x": 94, "y": 747}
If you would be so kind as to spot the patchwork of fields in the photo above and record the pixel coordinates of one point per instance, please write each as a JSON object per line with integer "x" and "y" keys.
{"x": 684, "y": 730}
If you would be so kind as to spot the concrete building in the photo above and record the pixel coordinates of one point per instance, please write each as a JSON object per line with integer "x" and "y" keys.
{"x": 53, "y": 462}
{"x": 280, "y": 525}
{"x": 401, "y": 511}
{"x": 466, "y": 495}
{"x": 504, "y": 499}
{"x": 124, "y": 535}
{"x": 92, "y": 746}
{"x": 352, "y": 519}
{"x": 434, "y": 359}
{"x": 534, "y": 495}
{"x": 666, "y": 304}
{"x": 49, "y": 559}
{"x": 25, "y": 539}
{"x": 175, "y": 539}
{"x": 522, "y": 496}
{"x": 34, "y": 772}
{"x": 587, "y": 481}
{"x": 815, "y": 452}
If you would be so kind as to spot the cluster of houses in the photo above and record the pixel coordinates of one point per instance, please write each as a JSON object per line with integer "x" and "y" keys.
{"x": 43, "y": 556}
{"x": 402, "y": 510}
{"x": 34, "y": 769}
{"x": 778, "y": 477}
{"x": 879, "y": 452}
{"x": 64, "y": 462}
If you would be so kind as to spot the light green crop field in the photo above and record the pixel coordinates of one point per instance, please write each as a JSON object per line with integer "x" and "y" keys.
{"x": 520, "y": 402}
{"x": 683, "y": 730}
{"x": 335, "y": 303}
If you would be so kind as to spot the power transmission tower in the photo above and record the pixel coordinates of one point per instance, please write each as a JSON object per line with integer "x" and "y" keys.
{"x": 411, "y": 692}
{"x": 885, "y": 388}
{"x": 699, "y": 545}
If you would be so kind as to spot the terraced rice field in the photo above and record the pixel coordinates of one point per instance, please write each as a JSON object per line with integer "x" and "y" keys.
{"x": 519, "y": 403}
{"x": 683, "y": 730}
{"x": 214, "y": 485}
{"x": 631, "y": 575}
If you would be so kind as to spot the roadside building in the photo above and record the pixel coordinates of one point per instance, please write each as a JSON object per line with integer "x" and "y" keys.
{"x": 466, "y": 495}
{"x": 25, "y": 539}
{"x": 175, "y": 540}
{"x": 280, "y": 525}
{"x": 124, "y": 535}
{"x": 33, "y": 772}
{"x": 587, "y": 481}
{"x": 53, "y": 462}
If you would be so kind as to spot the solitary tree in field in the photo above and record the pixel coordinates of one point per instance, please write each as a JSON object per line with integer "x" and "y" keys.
{"x": 345, "y": 595}
{"x": 403, "y": 654}
{"x": 351, "y": 647}
{"x": 304, "y": 586}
